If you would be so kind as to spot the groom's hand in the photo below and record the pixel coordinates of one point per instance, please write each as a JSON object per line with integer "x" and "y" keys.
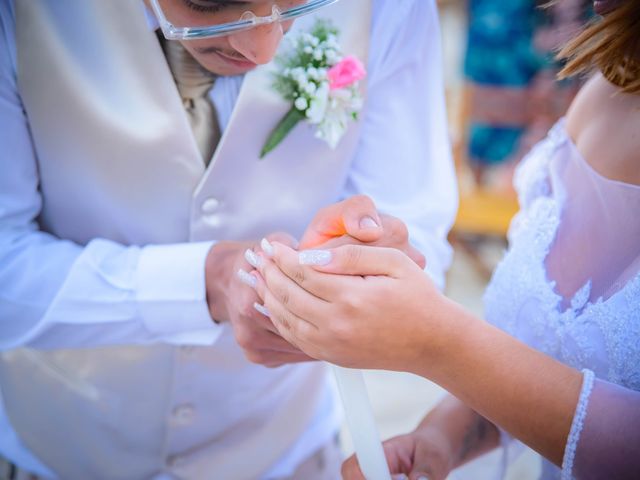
{"x": 414, "y": 456}
{"x": 232, "y": 301}
{"x": 357, "y": 220}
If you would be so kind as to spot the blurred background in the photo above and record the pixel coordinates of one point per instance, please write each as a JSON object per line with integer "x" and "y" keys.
{"x": 502, "y": 98}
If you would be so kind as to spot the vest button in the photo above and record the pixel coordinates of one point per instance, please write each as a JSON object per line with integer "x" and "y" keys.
{"x": 210, "y": 205}
{"x": 184, "y": 414}
{"x": 188, "y": 350}
{"x": 176, "y": 461}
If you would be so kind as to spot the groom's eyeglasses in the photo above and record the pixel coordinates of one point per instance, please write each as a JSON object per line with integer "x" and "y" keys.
{"x": 197, "y": 19}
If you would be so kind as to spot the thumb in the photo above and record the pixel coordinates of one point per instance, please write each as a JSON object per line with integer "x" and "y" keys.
{"x": 357, "y": 217}
{"x": 357, "y": 260}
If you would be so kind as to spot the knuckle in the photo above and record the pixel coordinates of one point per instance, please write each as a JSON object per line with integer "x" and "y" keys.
{"x": 398, "y": 230}
{"x": 323, "y": 212}
{"x": 299, "y": 275}
{"x": 246, "y": 310}
{"x": 340, "y": 330}
{"x": 362, "y": 200}
{"x": 255, "y": 356}
{"x": 355, "y": 304}
{"x": 352, "y": 256}
{"x": 242, "y": 338}
{"x": 284, "y": 296}
{"x": 398, "y": 256}
{"x": 284, "y": 322}
{"x": 246, "y": 338}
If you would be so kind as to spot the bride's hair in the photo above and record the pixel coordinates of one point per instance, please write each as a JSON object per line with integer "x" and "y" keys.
{"x": 612, "y": 45}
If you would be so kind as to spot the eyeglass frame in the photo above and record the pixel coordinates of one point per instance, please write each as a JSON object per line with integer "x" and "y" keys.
{"x": 171, "y": 32}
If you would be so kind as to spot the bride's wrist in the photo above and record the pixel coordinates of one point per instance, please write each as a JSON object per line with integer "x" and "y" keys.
{"x": 448, "y": 330}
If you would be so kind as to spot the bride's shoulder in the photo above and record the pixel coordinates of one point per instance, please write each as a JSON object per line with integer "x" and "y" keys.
{"x": 605, "y": 127}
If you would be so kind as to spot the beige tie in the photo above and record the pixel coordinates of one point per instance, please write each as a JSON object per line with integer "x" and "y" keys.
{"x": 194, "y": 82}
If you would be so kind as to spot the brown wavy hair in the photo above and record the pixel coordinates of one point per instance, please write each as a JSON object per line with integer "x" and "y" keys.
{"x": 610, "y": 44}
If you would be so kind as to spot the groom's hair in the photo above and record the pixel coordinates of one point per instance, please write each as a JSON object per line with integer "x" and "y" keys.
{"x": 610, "y": 44}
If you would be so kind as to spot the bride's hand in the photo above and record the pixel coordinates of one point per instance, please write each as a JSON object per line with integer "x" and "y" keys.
{"x": 355, "y": 306}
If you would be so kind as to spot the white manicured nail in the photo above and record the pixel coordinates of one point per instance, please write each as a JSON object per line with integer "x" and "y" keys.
{"x": 400, "y": 476}
{"x": 253, "y": 258}
{"x": 422, "y": 477}
{"x": 267, "y": 248}
{"x": 262, "y": 309}
{"x": 315, "y": 257}
{"x": 247, "y": 278}
{"x": 368, "y": 222}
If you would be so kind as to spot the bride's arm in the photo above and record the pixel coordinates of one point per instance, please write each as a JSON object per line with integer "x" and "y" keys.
{"x": 389, "y": 315}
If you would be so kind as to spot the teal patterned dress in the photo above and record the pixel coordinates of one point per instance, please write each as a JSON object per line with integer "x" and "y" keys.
{"x": 510, "y": 70}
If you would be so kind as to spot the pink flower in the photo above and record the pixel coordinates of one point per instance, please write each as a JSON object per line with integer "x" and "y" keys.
{"x": 345, "y": 73}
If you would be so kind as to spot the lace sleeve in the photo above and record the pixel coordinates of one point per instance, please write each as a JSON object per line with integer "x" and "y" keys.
{"x": 604, "y": 441}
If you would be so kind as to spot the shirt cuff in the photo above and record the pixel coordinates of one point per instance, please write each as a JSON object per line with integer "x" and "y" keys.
{"x": 172, "y": 296}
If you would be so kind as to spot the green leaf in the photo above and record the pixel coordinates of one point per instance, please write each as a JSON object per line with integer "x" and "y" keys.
{"x": 288, "y": 122}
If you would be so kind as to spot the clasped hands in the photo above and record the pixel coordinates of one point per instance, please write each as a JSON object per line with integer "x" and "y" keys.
{"x": 236, "y": 292}
{"x": 354, "y": 293}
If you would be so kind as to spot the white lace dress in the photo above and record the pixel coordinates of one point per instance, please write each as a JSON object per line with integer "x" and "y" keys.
{"x": 569, "y": 286}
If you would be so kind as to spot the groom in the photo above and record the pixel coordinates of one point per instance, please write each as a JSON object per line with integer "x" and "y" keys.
{"x": 127, "y": 201}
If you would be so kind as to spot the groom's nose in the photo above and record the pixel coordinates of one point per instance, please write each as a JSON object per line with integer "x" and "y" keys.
{"x": 258, "y": 44}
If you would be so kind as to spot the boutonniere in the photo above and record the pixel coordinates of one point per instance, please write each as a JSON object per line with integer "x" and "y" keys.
{"x": 321, "y": 83}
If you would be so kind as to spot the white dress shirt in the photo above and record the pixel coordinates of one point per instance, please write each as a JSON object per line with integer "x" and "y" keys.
{"x": 58, "y": 294}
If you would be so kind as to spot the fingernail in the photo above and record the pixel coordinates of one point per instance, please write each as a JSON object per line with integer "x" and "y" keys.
{"x": 262, "y": 309}
{"x": 315, "y": 257}
{"x": 267, "y": 247}
{"x": 400, "y": 476}
{"x": 422, "y": 477}
{"x": 247, "y": 278}
{"x": 253, "y": 258}
{"x": 368, "y": 222}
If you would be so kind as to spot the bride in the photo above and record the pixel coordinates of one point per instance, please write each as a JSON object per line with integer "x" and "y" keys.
{"x": 557, "y": 366}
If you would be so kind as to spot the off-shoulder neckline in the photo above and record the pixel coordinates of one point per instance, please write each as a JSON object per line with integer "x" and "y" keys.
{"x": 561, "y": 126}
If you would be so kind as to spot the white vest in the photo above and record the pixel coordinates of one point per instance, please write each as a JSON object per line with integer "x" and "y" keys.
{"x": 117, "y": 160}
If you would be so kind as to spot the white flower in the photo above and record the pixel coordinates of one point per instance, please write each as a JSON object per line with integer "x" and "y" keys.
{"x": 332, "y": 42}
{"x": 310, "y": 88}
{"x": 318, "y": 54}
{"x": 332, "y": 56}
{"x": 340, "y": 107}
{"x": 331, "y": 132}
{"x": 312, "y": 72}
{"x": 301, "y": 103}
{"x": 308, "y": 49}
{"x": 319, "y": 103}
{"x": 296, "y": 72}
